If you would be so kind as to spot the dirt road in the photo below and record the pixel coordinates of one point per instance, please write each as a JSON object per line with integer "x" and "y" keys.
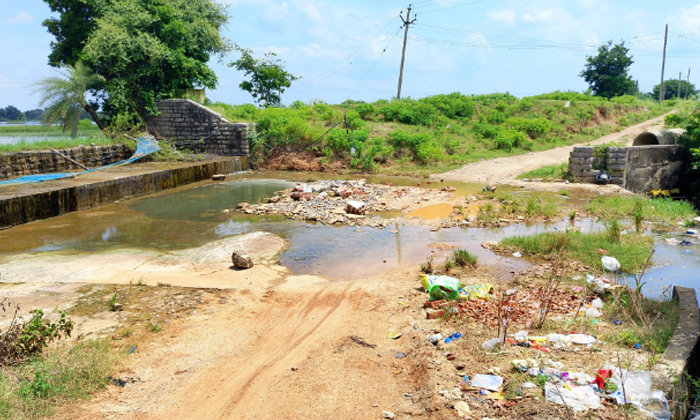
{"x": 505, "y": 170}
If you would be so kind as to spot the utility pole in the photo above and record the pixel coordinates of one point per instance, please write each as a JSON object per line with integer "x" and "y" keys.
{"x": 678, "y": 95}
{"x": 687, "y": 84}
{"x": 663, "y": 65}
{"x": 406, "y": 23}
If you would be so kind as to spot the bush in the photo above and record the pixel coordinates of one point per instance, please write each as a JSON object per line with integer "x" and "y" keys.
{"x": 535, "y": 128}
{"x": 462, "y": 257}
{"x": 366, "y": 111}
{"x": 408, "y": 111}
{"x": 507, "y": 139}
{"x": 453, "y": 106}
{"x": 429, "y": 151}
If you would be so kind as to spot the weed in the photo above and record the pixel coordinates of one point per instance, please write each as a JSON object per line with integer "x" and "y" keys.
{"x": 565, "y": 193}
{"x": 163, "y": 284}
{"x": 688, "y": 223}
{"x": 462, "y": 258}
{"x": 113, "y": 303}
{"x": 614, "y": 230}
{"x": 448, "y": 265}
{"x": 154, "y": 327}
{"x": 427, "y": 266}
{"x": 572, "y": 215}
{"x": 655, "y": 210}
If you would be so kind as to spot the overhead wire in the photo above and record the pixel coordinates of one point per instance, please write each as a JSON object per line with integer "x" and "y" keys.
{"x": 375, "y": 61}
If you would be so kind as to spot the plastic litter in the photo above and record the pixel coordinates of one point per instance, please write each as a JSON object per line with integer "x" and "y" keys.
{"x": 491, "y": 344}
{"x": 610, "y": 263}
{"x": 691, "y": 231}
{"x": 526, "y": 385}
{"x": 592, "y": 313}
{"x": 490, "y": 382}
{"x": 582, "y": 339}
{"x": 599, "y": 284}
{"x": 517, "y": 254}
{"x": 617, "y": 322}
{"x": 672, "y": 241}
{"x": 440, "y": 287}
{"x": 453, "y": 337}
{"x": 639, "y": 393}
{"x": 582, "y": 398}
{"x": 637, "y": 346}
{"x": 481, "y": 291}
{"x": 435, "y": 338}
{"x": 597, "y": 303}
{"x": 521, "y": 336}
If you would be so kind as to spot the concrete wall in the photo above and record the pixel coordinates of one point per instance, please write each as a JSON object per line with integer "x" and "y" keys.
{"x": 40, "y": 162}
{"x": 197, "y": 128}
{"x": 638, "y": 169}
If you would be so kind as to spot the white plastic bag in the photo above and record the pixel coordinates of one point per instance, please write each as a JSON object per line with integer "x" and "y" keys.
{"x": 592, "y": 313}
{"x": 490, "y": 382}
{"x": 610, "y": 263}
{"x": 582, "y": 398}
{"x": 597, "y": 303}
{"x": 491, "y": 344}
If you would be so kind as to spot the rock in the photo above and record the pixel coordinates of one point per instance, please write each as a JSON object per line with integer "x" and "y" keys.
{"x": 355, "y": 207}
{"x": 118, "y": 307}
{"x": 490, "y": 187}
{"x": 462, "y": 408}
{"x": 242, "y": 205}
{"x": 388, "y": 415}
{"x": 218, "y": 177}
{"x": 241, "y": 261}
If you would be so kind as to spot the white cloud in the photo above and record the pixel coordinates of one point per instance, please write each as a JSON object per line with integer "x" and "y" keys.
{"x": 686, "y": 20}
{"x": 541, "y": 16}
{"x": 23, "y": 17}
{"x": 309, "y": 10}
{"x": 507, "y": 15}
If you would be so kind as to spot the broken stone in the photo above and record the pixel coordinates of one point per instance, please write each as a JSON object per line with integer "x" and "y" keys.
{"x": 241, "y": 261}
{"x": 388, "y": 415}
{"x": 462, "y": 408}
{"x": 242, "y": 205}
{"x": 355, "y": 207}
{"x": 218, "y": 177}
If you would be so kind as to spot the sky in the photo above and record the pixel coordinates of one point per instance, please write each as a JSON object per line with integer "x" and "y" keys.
{"x": 352, "y": 50}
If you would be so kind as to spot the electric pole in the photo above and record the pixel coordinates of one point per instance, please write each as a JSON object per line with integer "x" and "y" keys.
{"x": 406, "y": 23}
{"x": 687, "y": 84}
{"x": 663, "y": 65}
{"x": 678, "y": 95}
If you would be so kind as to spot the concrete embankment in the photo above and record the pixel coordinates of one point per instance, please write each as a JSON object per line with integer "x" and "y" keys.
{"x": 28, "y": 202}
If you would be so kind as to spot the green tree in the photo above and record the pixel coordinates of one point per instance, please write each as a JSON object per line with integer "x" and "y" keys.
{"x": 13, "y": 114}
{"x": 75, "y": 22}
{"x": 671, "y": 89}
{"x": 607, "y": 73}
{"x": 268, "y": 78}
{"x": 152, "y": 49}
{"x": 65, "y": 96}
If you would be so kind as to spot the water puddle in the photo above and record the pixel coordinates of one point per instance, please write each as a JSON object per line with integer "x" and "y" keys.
{"x": 434, "y": 212}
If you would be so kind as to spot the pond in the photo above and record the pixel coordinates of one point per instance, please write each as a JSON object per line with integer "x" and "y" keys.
{"x": 199, "y": 214}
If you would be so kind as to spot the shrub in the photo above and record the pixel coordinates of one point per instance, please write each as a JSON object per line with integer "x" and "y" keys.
{"x": 485, "y": 131}
{"x": 366, "y": 111}
{"x": 535, "y": 127}
{"x": 408, "y": 111}
{"x": 462, "y": 257}
{"x": 508, "y": 139}
{"x": 453, "y": 106}
{"x": 429, "y": 151}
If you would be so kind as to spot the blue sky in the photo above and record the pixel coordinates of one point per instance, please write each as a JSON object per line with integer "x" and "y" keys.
{"x": 352, "y": 49}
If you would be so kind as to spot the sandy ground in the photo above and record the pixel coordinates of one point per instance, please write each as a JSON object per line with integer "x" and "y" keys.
{"x": 506, "y": 170}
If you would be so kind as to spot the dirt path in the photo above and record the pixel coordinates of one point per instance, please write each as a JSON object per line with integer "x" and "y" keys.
{"x": 505, "y": 170}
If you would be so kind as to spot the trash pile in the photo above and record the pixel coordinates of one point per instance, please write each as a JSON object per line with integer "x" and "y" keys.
{"x": 448, "y": 298}
{"x": 345, "y": 202}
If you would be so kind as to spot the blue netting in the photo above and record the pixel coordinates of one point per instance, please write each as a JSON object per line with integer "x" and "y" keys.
{"x": 144, "y": 147}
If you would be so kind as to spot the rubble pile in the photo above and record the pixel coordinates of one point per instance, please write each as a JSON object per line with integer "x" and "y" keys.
{"x": 345, "y": 202}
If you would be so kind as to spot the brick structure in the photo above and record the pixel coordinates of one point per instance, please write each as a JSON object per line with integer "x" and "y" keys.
{"x": 16, "y": 164}
{"x": 638, "y": 168}
{"x": 199, "y": 129}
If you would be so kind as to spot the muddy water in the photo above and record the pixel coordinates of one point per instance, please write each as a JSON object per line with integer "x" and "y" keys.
{"x": 196, "y": 215}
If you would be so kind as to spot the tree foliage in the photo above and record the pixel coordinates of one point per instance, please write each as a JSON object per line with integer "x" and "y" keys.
{"x": 11, "y": 113}
{"x": 268, "y": 78}
{"x": 71, "y": 28}
{"x": 607, "y": 73}
{"x": 671, "y": 89}
{"x": 65, "y": 96}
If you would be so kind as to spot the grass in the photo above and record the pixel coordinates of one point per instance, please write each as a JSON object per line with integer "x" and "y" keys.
{"x": 61, "y": 375}
{"x": 57, "y": 143}
{"x": 506, "y": 205}
{"x": 654, "y": 210}
{"x": 462, "y": 258}
{"x": 36, "y": 130}
{"x": 631, "y": 251}
{"x": 548, "y": 173}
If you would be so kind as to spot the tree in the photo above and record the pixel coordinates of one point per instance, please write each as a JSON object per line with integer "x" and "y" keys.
{"x": 13, "y": 114}
{"x": 151, "y": 49}
{"x": 65, "y": 96}
{"x": 268, "y": 78}
{"x": 607, "y": 73}
{"x": 671, "y": 89}
{"x": 74, "y": 24}
{"x": 33, "y": 114}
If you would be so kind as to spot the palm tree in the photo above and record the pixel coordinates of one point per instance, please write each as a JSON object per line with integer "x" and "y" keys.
{"x": 65, "y": 96}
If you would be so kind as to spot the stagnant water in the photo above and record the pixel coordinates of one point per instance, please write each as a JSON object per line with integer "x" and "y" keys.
{"x": 195, "y": 215}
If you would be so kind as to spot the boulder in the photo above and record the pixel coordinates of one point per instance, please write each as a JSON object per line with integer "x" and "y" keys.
{"x": 241, "y": 260}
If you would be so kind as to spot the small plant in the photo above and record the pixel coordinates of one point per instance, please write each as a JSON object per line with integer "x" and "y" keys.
{"x": 638, "y": 215}
{"x": 427, "y": 266}
{"x": 462, "y": 258}
{"x": 688, "y": 223}
{"x": 154, "y": 327}
{"x": 572, "y": 215}
{"x": 448, "y": 265}
{"x": 163, "y": 284}
{"x": 614, "y": 230}
{"x": 565, "y": 193}
{"x": 113, "y": 303}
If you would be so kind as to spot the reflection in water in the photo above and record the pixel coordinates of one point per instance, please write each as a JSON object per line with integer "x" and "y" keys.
{"x": 231, "y": 228}
{"x": 112, "y": 230}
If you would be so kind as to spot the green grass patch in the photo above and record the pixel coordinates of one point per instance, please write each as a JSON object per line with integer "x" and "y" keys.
{"x": 548, "y": 173}
{"x": 462, "y": 258}
{"x": 58, "y": 143}
{"x": 57, "y": 377}
{"x": 52, "y": 130}
{"x": 655, "y": 210}
{"x": 632, "y": 250}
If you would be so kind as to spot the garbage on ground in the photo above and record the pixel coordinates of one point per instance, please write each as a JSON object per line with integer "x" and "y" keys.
{"x": 617, "y": 322}
{"x": 672, "y": 241}
{"x": 490, "y": 382}
{"x": 592, "y": 313}
{"x": 597, "y": 303}
{"x": 602, "y": 251}
{"x": 393, "y": 336}
{"x": 600, "y": 284}
{"x": 440, "y": 287}
{"x": 453, "y": 337}
{"x": 581, "y": 398}
{"x": 517, "y": 254}
{"x": 638, "y": 392}
{"x": 691, "y": 231}
{"x": 435, "y": 338}
{"x": 610, "y": 263}
{"x": 491, "y": 344}
{"x": 480, "y": 291}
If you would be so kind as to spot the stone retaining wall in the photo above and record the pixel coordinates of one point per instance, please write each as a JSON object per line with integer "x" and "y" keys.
{"x": 638, "y": 169}
{"x": 40, "y": 162}
{"x": 197, "y": 128}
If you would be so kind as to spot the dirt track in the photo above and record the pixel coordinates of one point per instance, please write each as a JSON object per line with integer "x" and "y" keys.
{"x": 505, "y": 170}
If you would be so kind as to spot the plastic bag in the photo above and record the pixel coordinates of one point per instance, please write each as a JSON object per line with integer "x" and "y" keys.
{"x": 582, "y": 339}
{"x": 582, "y": 398}
{"x": 610, "y": 263}
{"x": 592, "y": 313}
{"x": 599, "y": 284}
{"x": 481, "y": 291}
{"x": 597, "y": 303}
{"x": 491, "y": 344}
{"x": 440, "y": 287}
{"x": 490, "y": 382}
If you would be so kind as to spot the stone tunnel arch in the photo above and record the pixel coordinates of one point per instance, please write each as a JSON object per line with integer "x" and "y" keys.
{"x": 659, "y": 137}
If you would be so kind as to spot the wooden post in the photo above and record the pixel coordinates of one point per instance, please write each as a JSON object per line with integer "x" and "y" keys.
{"x": 687, "y": 84}
{"x": 663, "y": 65}
{"x": 406, "y": 24}
{"x": 67, "y": 158}
{"x": 678, "y": 95}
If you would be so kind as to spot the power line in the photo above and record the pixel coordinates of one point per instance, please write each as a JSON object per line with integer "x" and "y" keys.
{"x": 375, "y": 62}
